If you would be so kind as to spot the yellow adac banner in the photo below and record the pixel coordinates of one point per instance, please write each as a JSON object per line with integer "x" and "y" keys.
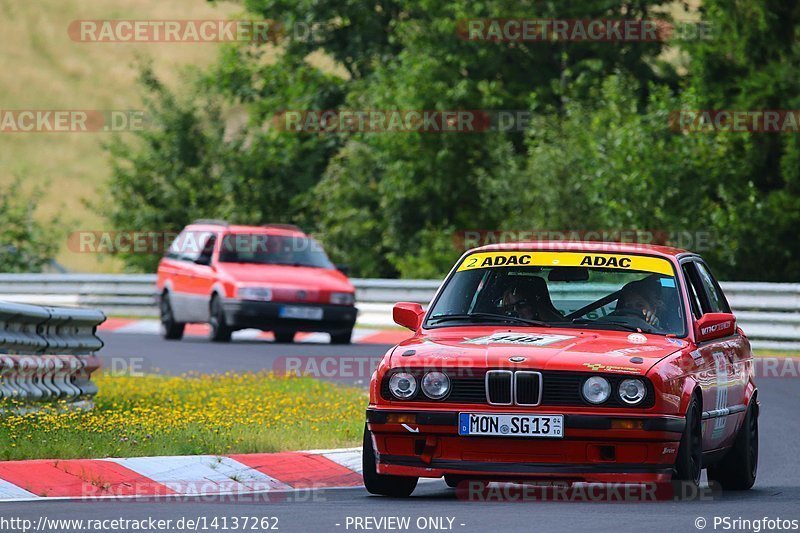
{"x": 569, "y": 259}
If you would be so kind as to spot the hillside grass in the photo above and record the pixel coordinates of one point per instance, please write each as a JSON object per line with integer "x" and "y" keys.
{"x": 44, "y": 69}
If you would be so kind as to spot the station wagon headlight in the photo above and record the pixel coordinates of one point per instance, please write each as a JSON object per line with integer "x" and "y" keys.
{"x": 263, "y": 294}
{"x": 403, "y": 385}
{"x": 632, "y": 391}
{"x": 342, "y": 298}
{"x": 435, "y": 385}
{"x": 596, "y": 390}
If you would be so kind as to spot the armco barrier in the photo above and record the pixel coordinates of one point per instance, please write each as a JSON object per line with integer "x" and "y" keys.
{"x": 768, "y": 312}
{"x": 47, "y": 357}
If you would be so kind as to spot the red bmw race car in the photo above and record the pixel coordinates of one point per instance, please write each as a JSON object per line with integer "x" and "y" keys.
{"x": 581, "y": 362}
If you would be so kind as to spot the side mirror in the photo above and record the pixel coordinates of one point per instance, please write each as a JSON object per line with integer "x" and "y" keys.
{"x": 408, "y": 314}
{"x": 714, "y": 326}
{"x": 344, "y": 269}
{"x": 203, "y": 260}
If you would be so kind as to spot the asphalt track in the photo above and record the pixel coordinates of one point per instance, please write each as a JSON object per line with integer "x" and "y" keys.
{"x": 775, "y": 496}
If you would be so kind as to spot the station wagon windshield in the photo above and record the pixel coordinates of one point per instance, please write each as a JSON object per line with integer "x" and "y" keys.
{"x": 273, "y": 250}
{"x": 562, "y": 289}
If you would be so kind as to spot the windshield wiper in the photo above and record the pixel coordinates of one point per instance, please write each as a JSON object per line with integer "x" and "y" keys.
{"x": 488, "y": 316}
{"x": 624, "y": 325}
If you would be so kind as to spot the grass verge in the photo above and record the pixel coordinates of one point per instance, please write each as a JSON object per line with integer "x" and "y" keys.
{"x": 776, "y": 353}
{"x": 188, "y": 415}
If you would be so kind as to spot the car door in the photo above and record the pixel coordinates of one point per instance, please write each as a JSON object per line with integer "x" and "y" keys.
{"x": 203, "y": 277}
{"x": 721, "y": 374}
{"x": 174, "y": 271}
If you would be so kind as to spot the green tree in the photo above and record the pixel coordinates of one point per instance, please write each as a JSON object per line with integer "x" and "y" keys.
{"x": 26, "y": 244}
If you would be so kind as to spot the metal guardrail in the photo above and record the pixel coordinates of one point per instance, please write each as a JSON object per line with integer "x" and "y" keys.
{"x": 47, "y": 357}
{"x": 768, "y": 312}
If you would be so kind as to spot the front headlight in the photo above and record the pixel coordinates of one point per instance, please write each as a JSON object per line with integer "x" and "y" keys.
{"x": 403, "y": 385}
{"x": 435, "y": 385}
{"x": 342, "y": 298}
{"x": 596, "y": 390}
{"x": 632, "y": 391}
{"x": 263, "y": 294}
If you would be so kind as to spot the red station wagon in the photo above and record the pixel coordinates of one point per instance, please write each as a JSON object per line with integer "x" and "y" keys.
{"x": 577, "y": 362}
{"x": 272, "y": 277}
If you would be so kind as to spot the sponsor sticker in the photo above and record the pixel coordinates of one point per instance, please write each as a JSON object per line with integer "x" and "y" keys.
{"x": 637, "y": 338}
{"x": 519, "y": 338}
{"x": 614, "y": 369}
{"x": 570, "y": 259}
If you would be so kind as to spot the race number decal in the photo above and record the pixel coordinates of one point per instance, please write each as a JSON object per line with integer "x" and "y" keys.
{"x": 519, "y": 338}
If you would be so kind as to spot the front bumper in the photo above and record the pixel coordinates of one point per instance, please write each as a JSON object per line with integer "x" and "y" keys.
{"x": 241, "y": 314}
{"x": 591, "y": 450}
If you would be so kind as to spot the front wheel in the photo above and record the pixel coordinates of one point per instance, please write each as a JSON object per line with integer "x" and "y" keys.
{"x": 738, "y": 468}
{"x": 689, "y": 463}
{"x": 342, "y": 338}
{"x": 170, "y": 329}
{"x": 220, "y": 331}
{"x": 380, "y": 484}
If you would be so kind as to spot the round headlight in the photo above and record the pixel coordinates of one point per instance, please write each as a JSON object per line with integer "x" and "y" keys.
{"x": 596, "y": 389}
{"x": 403, "y": 385}
{"x": 632, "y": 391}
{"x": 435, "y": 385}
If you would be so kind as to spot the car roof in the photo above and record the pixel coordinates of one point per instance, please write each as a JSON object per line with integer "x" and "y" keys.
{"x": 266, "y": 229}
{"x": 586, "y": 246}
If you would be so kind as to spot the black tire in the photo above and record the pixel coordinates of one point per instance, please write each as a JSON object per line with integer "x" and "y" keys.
{"x": 451, "y": 481}
{"x": 689, "y": 463}
{"x": 342, "y": 338}
{"x": 380, "y": 484}
{"x": 738, "y": 468}
{"x": 170, "y": 330}
{"x": 284, "y": 337}
{"x": 220, "y": 331}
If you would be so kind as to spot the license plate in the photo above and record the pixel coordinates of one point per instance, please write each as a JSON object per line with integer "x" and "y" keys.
{"x": 471, "y": 424}
{"x": 303, "y": 313}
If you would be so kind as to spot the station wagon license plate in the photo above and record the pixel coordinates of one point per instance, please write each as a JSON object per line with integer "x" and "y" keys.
{"x": 502, "y": 425}
{"x": 303, "y": 313}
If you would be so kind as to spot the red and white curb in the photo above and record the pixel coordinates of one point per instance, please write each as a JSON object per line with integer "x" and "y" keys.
{"x": 153, "y": 327}
{"x": 199, "y": 475}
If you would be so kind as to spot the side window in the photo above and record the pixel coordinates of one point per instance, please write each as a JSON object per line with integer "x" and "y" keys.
{"x": 175, "y": 250}
{"x": 716, "y": 300}
{"x": 207, "y": 252}
{"x": 693, "y": 286}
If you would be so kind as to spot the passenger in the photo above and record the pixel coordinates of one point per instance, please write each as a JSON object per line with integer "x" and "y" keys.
{"x": 641, "y": 299}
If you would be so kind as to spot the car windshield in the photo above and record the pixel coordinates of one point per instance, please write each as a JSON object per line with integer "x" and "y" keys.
{"x": 563, "y": 289}
{"x": 273, "y": 250}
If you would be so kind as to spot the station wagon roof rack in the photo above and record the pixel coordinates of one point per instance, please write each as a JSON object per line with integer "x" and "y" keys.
{"x": 282, "y": 226}
{"x": 211, "y": 221}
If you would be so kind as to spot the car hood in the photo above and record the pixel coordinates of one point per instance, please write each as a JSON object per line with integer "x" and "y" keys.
{"x": 287, "y": 276}
{"x": 598, "y": 351}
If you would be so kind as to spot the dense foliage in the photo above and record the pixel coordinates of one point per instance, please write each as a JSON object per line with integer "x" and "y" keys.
{"x": 29, "y": 244}
{"x": 599, "y": 153}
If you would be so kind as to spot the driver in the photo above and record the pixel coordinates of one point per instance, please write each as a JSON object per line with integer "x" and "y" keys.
{"x": 642, "y": 299}
{"x": 524, "y": 301}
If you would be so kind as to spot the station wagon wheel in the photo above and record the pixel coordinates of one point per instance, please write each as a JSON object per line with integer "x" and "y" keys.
{"x": 220, "y": 331}
{"x": 170, "y": 329}
{"x": 738, "y": 468}
{"x": 689, "y": 463}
